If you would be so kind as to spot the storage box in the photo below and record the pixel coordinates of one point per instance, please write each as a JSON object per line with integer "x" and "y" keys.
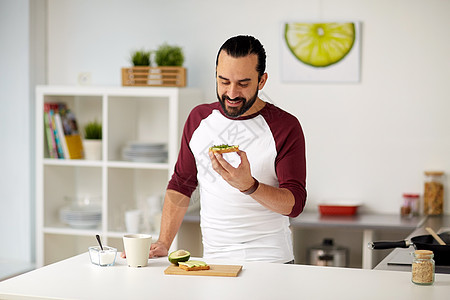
{"x": 154, "y": 76}
{"x": 338, "y": 209}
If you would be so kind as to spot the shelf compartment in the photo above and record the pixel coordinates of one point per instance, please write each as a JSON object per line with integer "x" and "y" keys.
{"x": 68, "y": 181}
{"x": 129, "y": 189}
{"x": 86, "y": 108}
{"x": 137, "y": 119}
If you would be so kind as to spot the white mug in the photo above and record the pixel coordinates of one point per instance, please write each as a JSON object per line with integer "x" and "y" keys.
{"x": 137, "y": 248}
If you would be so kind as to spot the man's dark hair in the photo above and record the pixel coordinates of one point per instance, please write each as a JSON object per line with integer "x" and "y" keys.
{"x": 243, "y": 45}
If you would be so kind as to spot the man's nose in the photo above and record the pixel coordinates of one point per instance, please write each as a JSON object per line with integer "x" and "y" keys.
{"x": 234, "y": 91}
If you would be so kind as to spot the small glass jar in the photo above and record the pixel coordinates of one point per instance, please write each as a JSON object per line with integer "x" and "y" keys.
{"x": 423, "y": 267}
{"x": 410, "y": 207}
{"x": 433, "y": 196}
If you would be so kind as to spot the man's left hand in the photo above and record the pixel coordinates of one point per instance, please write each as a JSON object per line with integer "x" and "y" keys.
{"x": 240, "y": 177}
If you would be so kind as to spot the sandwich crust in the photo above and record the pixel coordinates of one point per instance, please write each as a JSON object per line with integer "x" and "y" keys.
{"x": 224, "y": 148}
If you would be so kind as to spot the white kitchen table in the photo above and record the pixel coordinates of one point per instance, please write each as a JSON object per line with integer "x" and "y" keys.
{"x": 77, "y": 278}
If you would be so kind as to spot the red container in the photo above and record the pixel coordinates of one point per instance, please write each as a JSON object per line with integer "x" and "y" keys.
{"x": 338, "y": 209}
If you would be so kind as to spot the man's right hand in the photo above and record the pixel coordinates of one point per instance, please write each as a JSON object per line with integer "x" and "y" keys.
{"x": 158, "y": 249}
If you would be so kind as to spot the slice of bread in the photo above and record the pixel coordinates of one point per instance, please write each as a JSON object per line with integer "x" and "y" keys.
{"x": 224, "y": 148}
{"x": 197, "y": 268}
{"x": 193, "y": 265}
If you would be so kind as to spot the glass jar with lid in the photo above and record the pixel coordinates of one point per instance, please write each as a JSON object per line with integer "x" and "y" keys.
{"x": 423, "y": 267}
{"x": 433, "y": 196}
{"x": 410, "y": 207}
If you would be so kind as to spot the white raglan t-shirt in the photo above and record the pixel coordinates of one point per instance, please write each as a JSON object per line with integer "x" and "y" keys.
{"x": 234, "y": 225}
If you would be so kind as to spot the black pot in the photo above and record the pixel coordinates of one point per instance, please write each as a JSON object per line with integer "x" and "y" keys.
{"x": 422, "y": 242}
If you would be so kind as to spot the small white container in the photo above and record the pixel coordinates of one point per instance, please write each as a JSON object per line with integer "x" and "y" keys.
{"x": 92, "y": 149}
{"x": 103, "y": 258}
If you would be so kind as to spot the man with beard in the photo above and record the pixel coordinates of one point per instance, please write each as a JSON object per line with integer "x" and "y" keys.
{"x": 246, "y": 197}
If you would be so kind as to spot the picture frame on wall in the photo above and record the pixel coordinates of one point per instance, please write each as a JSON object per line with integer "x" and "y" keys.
{"x": 321, "y": 52}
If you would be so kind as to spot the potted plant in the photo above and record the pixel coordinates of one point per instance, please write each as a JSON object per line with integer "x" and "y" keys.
{"x": 138, "y": 74}
{"x": 170, "y": 59}
{"x": 92, "y": 142}
{"x": 169, "y": 71}
{"x": 140, "y": 58}
{"x": 167, "y": 55}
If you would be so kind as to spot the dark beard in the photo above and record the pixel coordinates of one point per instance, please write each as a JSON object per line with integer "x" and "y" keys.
{"x": 236, "y": 112}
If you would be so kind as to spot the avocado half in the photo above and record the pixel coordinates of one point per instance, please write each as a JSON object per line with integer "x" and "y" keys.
{"x": 179, "y": 256}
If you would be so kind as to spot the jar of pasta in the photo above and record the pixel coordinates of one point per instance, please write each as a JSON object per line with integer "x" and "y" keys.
{"x": 433, "y": 196}
{"x": 423, "y": 267}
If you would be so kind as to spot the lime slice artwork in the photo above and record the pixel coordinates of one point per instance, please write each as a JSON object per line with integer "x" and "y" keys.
{"x": 320, "y": 44}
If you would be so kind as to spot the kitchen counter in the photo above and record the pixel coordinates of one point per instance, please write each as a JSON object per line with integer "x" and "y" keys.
{"x": 357, "y": 221}
{"x": 368, "y": 223}
{"x": 77, "y": 278}
{"x": 400, "y": 259}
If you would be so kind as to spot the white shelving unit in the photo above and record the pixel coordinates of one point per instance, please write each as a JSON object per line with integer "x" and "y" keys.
{"x": 127, "y": 114}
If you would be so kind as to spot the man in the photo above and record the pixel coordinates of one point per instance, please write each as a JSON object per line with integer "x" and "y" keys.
{"x": 245, "y": 197}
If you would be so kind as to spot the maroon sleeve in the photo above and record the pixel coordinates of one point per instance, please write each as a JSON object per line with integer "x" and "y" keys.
{"x": 290, "y": 164}
{"x": 184, "y": 178}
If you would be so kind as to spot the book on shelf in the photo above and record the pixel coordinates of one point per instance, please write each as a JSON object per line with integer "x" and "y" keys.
{"x": 54, "y": 108}
{"x": 72, "y": 135}
{"x": 60, "y": 132}
{"x": 66, "y": 140}
{"x": 49, "y": 133}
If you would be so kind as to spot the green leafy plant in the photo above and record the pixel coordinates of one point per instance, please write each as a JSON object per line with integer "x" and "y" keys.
{"x": 167, "y": 55}
{"x": 140, "y": 58}
{"x": 93, "y": 130}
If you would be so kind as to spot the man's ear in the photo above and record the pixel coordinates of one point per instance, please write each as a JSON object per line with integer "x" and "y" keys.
{"x": 262, "y": 81}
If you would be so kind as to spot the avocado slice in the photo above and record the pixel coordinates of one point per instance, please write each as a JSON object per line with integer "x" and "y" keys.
{"x": 193, "y": 263}
{"x": 179, "y": 256}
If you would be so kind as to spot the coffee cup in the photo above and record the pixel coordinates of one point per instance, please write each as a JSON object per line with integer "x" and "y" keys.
{"x": 137, "y": 248}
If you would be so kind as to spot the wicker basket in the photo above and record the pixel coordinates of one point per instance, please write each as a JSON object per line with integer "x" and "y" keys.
{"x": 154, "y": 76}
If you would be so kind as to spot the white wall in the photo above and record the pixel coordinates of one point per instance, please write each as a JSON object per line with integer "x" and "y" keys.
{"x": 369, "y": 141}
{"x": 22, "y": 61}
{"x": 15, "y": 156}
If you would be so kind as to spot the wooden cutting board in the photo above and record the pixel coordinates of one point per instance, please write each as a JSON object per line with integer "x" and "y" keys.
{"x": 215, "y": 270}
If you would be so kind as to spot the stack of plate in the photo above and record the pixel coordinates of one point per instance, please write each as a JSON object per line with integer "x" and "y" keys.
{"x": 145, "y": 152}
{"x": 81, "y": 216}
